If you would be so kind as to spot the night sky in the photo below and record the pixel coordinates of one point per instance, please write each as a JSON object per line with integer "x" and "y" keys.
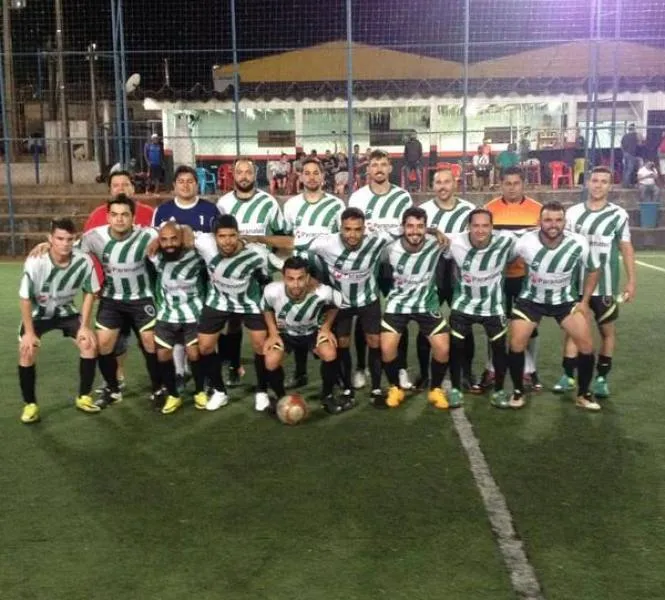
{"x": 195, "y": 34}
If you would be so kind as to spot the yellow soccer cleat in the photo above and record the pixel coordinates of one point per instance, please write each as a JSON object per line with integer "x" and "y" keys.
{"x": 171, "y": 405}
{"x": 87, "y": 404}
{"x": 200, "y": 400}
{"x": 30, "y": 413}
{"x": 395, "y": 397}
{"x": 437, "y": 398}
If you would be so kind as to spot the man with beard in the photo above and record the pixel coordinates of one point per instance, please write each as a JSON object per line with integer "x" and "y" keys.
{"x": 180, "y": 289}
{"x": 553, "y": 257}
{"x": 257, "y": 213}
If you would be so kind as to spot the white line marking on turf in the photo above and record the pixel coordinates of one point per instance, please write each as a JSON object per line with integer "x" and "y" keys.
{"x": 648, "y": 266}
{"x": 522, "y": 574}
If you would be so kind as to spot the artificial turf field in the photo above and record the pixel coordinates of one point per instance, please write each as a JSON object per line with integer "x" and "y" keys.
{"x": 370, "y": 504}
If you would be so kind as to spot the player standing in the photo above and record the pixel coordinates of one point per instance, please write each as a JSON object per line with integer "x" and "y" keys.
{"x": 49, "y": 285}
{"x": 605, "y": 226}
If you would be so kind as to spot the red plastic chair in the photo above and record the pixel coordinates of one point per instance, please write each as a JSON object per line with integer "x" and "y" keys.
{"x": 531, "y": 169}
{"x": 454, "y": 168}
{"x": 560, "y": 172}
{"x": 225, "y": 177}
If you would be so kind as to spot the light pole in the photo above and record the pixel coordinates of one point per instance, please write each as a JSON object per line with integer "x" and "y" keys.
{"x": 92, "y": 62}
{"x": 10, "y": 109}
{"x": 66, "y": 147}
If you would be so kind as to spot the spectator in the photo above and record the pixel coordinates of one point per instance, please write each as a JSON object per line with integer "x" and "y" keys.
{"x": 296, "y": 171}
{"x": 481, "y": 168}
{"x": 629, "y": 143}
{"x": 279, "y": 172}
{"x": 661, "y": 154}
{"x": 361, "y": 168}
{"x": 153, "y": 154}
{"x": 525, "y": 146}
{"x": 508, "y": 158}
{"x": 647, "y": 177}
{"x": 413, "y": 159}
{"x": 329, "y": 163}
{"x": 342, "y": 174}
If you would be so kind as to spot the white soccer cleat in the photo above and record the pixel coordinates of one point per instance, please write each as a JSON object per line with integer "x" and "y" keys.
{"x": 404, "y": 381}
{"x": 359, "y": 380}
{"x": 261, "y": 401}
{"x": 217, "y": 400}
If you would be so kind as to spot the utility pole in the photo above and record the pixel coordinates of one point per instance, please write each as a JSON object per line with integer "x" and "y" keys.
{"x": 66, "y": 146}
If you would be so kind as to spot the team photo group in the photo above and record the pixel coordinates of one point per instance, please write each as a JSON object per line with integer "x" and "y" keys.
{"x": 339, "y": 283}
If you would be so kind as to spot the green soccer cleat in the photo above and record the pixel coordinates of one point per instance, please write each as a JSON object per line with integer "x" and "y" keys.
{"x": 564, "y": 385}
{"x": 500, "y": 399}
{"x": 599, "y": 388}
{"x": 455, "y": 398}
{"x": 30, "y": 413}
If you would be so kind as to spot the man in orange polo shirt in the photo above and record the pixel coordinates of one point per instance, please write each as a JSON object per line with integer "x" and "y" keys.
{"x": 516, "y": 212}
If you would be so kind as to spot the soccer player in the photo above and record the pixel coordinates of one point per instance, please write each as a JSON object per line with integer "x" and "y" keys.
{"x": 481, "y": 256}
{"x": 605, "y": 226}
{"x": 300, "y": 313}
{"x": 233, "y": 293}
{"x": 413, "y": 259}
{"x": 49, "y": 284}
{"x": 186, "y": 208}
{"x": 257, "y": 213}
{"x": 552, "y": 257}
{"x": 126, "y": 294}
{"x": 311, "y": 213}
{"x": 514, "y": 211}
{"x": 383, "y": 205}
{"x": 180, "y": 289}
{"x": 449, "y": 214}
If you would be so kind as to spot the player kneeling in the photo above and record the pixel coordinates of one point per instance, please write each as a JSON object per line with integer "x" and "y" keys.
{"x": 49, "y": 285}
{"x": 299, "y": 314}
{"x": 180, "y": 285}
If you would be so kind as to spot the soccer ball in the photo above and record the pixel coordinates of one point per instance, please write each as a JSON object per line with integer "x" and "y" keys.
{"x": 292, "y": 409}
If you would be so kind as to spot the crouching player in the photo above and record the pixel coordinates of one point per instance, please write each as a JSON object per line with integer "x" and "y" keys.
{"x": 299, "y": 314}
{"x": 180, "y": 290}
{"x": 49, "y": 284}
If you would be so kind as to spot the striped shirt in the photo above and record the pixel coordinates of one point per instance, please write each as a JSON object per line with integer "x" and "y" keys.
{"x": 299, "y": 318}
{"x": 123, "y": 261}
{"x": 382, "y": 211}
{"x": 479, "y": 286}
{"x": 258, "y": 215}
{"x": 413, "y": 286}
{"x": 51, "y": 289}
{"x": 551, "y": 271}
{"x": 180, "y": 287}
{"x": 450, "y": 220}
{"x": 233, "y": 289}
{"x": 604, "y": 229}
{"x": 306, "y": 221}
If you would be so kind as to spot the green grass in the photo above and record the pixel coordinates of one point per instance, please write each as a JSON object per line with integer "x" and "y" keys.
{"x": 130, "y": 503}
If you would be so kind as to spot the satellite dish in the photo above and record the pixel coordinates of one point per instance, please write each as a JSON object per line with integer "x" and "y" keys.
{"x": 132, "y": 83}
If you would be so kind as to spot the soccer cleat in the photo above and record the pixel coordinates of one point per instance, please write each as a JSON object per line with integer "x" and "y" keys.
{"x": 234, "y": 376}
{"x": 121, "y": 386}
{"x": 499, "y": 399}
{"x": 394, "y": 398}
{"x": 347, "y": 399}
{"x": 261, "y": 401}
{"x": 359, "y": 380}
{"x": 437, "y": 398}
{"x": 158, "y": 398}
{"x": 30, "y": 413}
{"x": 564, "y": 385}
{"x": 86, "y": 404}
{"x": 296, "y": 381}
{"x": 534, "y": 382}
{"x": 108, "y": 398}
{"x": 171, "y": 404}
{"x": 378, "y": 399}
{"x": 180, "y": 383}
{"x": 472, "y": 385}
{"x": 331, "y": 405}
{"x": 217, "y": 400}
{"x": 200, "y": 400}
{"x": 517, "y": 400}
{"x": 587, "y": 403}
{"x": 487, "y": 380}
{"x": 455, "y": 398}
{"x": 600, "y": 388}
{"x": 404, "y": 380}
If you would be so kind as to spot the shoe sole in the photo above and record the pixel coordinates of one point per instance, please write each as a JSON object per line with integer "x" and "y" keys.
{"x": 170, "y": 411}
{"x": 89, "y": 409}
{"x": 594, "y": 407}
{"x": 30, "y": 421}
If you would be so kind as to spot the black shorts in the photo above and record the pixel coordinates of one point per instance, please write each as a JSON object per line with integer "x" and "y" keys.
{"x": 168, "y": 335}
{"x": 429, "y": 324}
{"x": 68, "y": 325}
{"x": 384, "y": 278}
{"x": 605, "y": 309}
{"x": 114, "y": 314}
{"x": 293, "y": 343}
{"x": 526, "y": 310}
{"x": 369, "y": 317}
{"x": 461, "y": 325}
{"x": 512, "y": 288}
{"x": 213, "y": 321}
{"x": 443, "y": 275}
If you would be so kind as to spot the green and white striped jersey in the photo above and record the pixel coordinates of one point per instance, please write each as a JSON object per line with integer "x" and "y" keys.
{"x": 551, "y": 271}
{"x": 232, "y": 287}
{"x": 604, "y": 230}
{"x": 306, "y": 221}
{"x": 123, "y": 261}
{"x": 413, "y": 287}
{"x": 180, "y": 287}
{"x": 381, "y": 211}
{"x": 51, "y": 289}
{"x": 299, "y": 318}
{"x": 258, "y": 215}
{"x": 479, "y": 284}
{"x": 352, "y": 272}
{"x": 453, "y": 220}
